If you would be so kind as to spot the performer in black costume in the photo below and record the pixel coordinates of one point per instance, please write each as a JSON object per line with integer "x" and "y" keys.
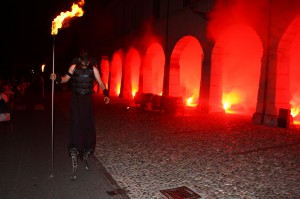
{"x": 82, "y": 73}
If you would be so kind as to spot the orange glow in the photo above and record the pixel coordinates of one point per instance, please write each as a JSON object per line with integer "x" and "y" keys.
{"x": 293, "y": 53}
{"x": 134, "y": 90}
{"x": 295, "y": 111}
{"x": 296, "y": 122}
{"x": 118, "y": 89}
{"x": 115, "y": 71}
{"x": 185, "y": 69}
{"x": 43, "y": 67}
{"x": 64, "y": 17}
{"x": 132, "y": 73}
{"x": 229, "y": 100}
{"x": 236, "y": 64}
{"x": 191, "y": 102}
{"x": 153, "y": 69}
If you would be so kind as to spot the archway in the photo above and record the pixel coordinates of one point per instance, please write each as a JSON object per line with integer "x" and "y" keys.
{"x": 115, "y": 73}
{"x": 236, "y": 64}
{"x": 153, "y": 69}
{"x": 288, "y": 70}
{"x": 131, "y": 73}
{"x": 185, "y": 70}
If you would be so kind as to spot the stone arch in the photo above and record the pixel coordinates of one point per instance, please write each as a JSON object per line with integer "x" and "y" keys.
{"x": 288, "y": 70}
{"x": 153, "y": 69}
{"x": 115, "y": 76}
{"x": 185, "y": 68}
{"x": 131, "y": 73}
{"x": 235, "y": 70}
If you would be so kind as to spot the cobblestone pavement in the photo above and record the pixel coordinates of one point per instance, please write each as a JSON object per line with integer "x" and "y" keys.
{"x": 215, "y": 155}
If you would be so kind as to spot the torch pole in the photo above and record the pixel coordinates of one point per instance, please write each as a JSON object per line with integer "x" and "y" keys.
{"x": 52, "y": 113}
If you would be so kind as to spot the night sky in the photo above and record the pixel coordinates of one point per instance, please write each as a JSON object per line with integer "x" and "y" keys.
{"x": 27, "y": 39}
{"x": 28, "y": 32}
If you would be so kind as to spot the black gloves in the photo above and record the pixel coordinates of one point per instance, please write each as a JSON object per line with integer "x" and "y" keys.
{"x": 58, "y": 79}
{"x": 106, "y": 93}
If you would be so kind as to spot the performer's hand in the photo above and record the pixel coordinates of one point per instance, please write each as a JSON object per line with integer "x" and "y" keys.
{"x": 106, "y": 99}
{"x": 53, "y": 76}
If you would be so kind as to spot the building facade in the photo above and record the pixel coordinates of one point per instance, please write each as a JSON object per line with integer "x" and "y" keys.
{"x": 238, "y": 55}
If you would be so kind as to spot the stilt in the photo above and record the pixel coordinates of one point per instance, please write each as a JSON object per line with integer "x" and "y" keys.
{"x": 74, "y": 158}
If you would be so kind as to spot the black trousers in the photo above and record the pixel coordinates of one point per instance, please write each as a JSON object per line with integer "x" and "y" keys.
{"x": 82, "y": 127}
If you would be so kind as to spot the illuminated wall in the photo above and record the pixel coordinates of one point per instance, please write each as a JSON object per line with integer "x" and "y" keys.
{"x": 236, "y": 63}
{"x": 185, "y": 69}
{"x": 153, "y": 70}
{"x": 288, "y": 71}
{"x": 242, "y": 53}
{"x": 115, "y": 73}
{"x": 131, "y": 73}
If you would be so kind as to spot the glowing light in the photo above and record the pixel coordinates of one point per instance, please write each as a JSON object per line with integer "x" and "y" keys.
{"x": 296, "y": 122}
{"x": 64, "y": 17}
{"x": 295, "y": 114}
{"x": 230, "y": 99}
{"x": 226, "y": 106}
{"x": 190, "y": 102}
{"x": 295, "y": 111}
{"x": 118, "y": 90}
{"x": 43, "y": 67}
{"x": 134, "y": 90}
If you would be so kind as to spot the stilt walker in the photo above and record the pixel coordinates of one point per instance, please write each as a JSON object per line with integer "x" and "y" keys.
{"x": 58, "y": 23}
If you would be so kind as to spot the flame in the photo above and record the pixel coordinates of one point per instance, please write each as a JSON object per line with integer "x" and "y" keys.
{"x": 295, "y": 114}
{"x": 118, "y": 89}
{"x": 134, "y": 90}
{"x": 190, "y": 102}
{"x": 230, "y": 99}
{"x": 295, "y": 111}
{"x": 60, "y": 20}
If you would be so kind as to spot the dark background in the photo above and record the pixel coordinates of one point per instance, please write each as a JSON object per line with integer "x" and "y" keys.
{"x": 27, "y": 39}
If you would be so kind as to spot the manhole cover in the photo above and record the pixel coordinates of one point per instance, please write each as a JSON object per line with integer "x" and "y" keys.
{"x": 180, "y": 193}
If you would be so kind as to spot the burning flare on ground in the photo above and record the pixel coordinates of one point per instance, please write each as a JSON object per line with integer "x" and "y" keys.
{"x": 134, "y": 91}
{"x": 191, "y": 101}
{"x": 230, "y": 99}
{"x": 295, "y": 111}
{"x": 64, "y": 17}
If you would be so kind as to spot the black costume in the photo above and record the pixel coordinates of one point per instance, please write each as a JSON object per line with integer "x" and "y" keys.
{"x": 82, "y": 128}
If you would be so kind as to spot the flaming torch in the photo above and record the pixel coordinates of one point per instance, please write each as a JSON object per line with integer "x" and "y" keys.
{"x": 64, "y": 17}
{"x": 61, "y": 21}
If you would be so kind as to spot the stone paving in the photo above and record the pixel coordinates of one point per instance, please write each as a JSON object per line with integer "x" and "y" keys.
{"x": 216, "y": 155}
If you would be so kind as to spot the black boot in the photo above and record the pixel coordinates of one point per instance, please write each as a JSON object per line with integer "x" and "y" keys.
{"x": 74, "y": 157}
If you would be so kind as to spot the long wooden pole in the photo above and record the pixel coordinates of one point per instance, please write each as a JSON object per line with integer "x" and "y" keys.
{"x": 52, "y": 113}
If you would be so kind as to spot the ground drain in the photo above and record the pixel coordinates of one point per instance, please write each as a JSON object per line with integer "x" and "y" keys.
{"x": 180, "y": 193}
